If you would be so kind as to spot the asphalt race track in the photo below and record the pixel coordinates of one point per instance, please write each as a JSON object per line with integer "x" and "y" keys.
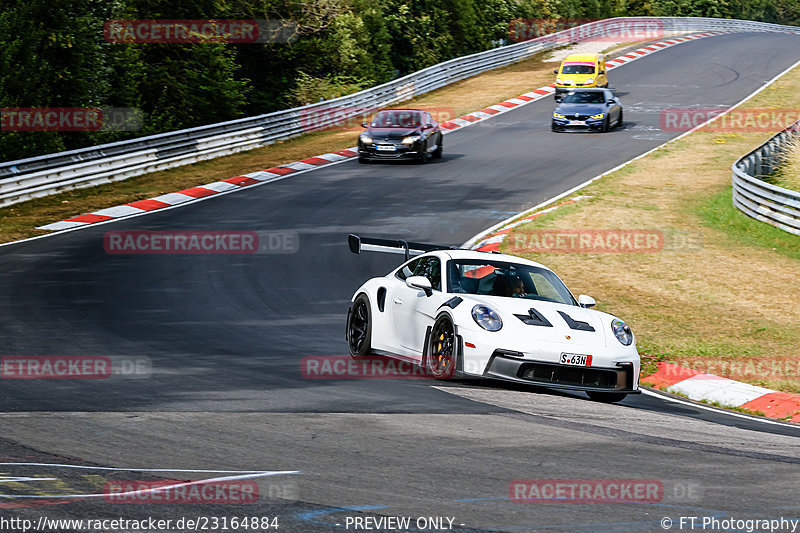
{"x": 223, "y": 337}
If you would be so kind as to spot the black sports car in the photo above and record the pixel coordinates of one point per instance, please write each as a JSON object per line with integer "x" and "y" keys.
{"x": 400, "y": 134}
{"x": 588, "y": 109}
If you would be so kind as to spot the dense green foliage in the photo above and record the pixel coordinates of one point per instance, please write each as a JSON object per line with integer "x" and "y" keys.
{"x": 54, "y": 54}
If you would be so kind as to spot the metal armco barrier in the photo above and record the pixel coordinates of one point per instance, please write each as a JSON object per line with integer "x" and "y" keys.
{"x": 50, "y": 174}
{"x": 761, "y": 200}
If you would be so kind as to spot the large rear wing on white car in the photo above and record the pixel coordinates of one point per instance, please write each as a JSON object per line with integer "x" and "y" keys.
{"x": 391, "y": 246}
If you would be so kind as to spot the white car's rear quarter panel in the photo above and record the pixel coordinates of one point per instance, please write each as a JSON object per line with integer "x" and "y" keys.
{"x": 383, "y": 337}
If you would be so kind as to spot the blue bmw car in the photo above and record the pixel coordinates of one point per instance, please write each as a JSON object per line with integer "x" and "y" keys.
{"x": 588, "y": 110}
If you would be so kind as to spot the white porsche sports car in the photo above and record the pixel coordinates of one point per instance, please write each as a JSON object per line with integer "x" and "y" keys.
{"x": 461, "y": 313}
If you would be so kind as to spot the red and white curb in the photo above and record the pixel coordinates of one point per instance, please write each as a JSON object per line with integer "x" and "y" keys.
{"x": 202, "y": 191}
{"x": 725, "y": 392}
{"x": 275, "y": 173}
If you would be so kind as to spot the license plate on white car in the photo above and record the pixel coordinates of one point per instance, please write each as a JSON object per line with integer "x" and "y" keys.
{"x": 575, "y": 359}
{"x": 386, "y": 148}
{"x": 577, "y": 122}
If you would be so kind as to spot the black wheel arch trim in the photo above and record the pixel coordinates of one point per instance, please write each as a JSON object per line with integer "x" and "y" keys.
{"x": 459, "y": 342}
{"x": 452, "y": 303}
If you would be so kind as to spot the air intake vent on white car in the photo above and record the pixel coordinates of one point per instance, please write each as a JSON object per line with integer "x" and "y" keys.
{"x": 534, "y": 318}
{"x": 575, "y": 324}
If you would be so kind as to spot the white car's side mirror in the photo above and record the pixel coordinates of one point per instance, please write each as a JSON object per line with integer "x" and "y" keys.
{"x": 586, "y": 301}
{"x": 421, "y": 283}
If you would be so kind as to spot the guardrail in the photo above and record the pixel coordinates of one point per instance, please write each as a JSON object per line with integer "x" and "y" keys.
{"x": 35, "y": 177}
{"x": 761, "y": 200}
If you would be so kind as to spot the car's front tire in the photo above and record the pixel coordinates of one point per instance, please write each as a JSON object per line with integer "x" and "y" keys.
{"x": 606, "y": 397}
{"x": 437, "y": 154}
{"x": 443, "y": 349}
{"x": 359, "y": 327}
{"x": 606, "y": 124}
{"x": 619, "y": 120}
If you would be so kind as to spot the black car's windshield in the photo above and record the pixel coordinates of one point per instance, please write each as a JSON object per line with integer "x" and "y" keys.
{"x": 584, "y": 98}
{"x": 397, "y": 119}
{"x": 500, "y": 278}
{"x": 577, "y": 69}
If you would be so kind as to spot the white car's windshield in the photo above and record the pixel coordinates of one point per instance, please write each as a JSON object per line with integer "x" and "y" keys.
{"x": 500, "y": 278}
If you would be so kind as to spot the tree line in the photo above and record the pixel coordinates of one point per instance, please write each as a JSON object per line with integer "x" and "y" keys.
{"x": 54, "y": 53}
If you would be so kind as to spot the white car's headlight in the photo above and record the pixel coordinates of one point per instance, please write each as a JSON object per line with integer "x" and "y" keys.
{"x": 366, "y": 139}
{"x": 487, "y": 318}
{"x": 621, "y": 331}
{"x": 558, "y": 115}
{"x": 588, "y": 81}
{"x": 559, "y": 81}
{"x": 599, "y": 115}
{"x": 410, "y": 139}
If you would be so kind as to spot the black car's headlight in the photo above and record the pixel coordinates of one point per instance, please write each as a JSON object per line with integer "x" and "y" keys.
{"x": 364, "y": 138}
{"x": 622, "y": 332}
{"x": 411, "y": 139}
{"x": 487, "y": 318}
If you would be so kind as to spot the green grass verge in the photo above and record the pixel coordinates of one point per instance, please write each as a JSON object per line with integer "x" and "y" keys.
{"x": 718, "y": 212}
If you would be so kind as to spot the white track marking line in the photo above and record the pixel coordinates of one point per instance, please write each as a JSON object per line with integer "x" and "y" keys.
{"x": 240, "y": 474}
{"x": 721, "y": 410}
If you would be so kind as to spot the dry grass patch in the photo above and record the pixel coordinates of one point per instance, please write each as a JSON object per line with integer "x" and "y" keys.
{"x": 729, "y": 294}
{"x": 788, "y": 175}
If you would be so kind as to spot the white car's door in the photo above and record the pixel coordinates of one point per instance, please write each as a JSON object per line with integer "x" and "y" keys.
{"x": 413, "y": 310}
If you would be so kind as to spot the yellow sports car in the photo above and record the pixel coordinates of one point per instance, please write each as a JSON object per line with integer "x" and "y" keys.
{"x": 580, "y": 70}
